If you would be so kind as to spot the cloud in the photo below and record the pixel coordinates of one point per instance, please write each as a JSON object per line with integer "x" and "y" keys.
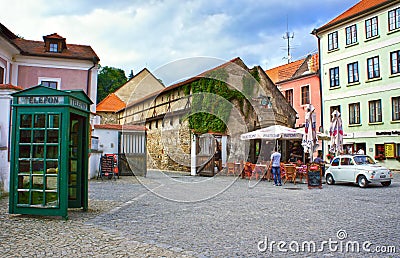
{"x": 136, "y": 34}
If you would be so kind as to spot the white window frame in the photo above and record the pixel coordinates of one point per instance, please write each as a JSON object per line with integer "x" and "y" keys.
{"x": 58, "y": 80}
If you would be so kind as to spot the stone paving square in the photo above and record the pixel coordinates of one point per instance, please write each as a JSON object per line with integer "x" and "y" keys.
{"x": 175, "y": 215}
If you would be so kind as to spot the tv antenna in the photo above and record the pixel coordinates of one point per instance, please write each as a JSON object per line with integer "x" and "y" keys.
{"x": 288, "y": 36}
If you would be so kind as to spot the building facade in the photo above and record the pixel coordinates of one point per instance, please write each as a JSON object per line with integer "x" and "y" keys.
{"x": 360, "y": 71}
{"x": 299, "y": 82}
{"x": 52, "y": 63}
{"x": 165, "y": 115}
{"x": 139, "y": 86}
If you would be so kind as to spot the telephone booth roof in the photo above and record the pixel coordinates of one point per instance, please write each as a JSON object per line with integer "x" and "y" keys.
{"x": 45, "y": 95}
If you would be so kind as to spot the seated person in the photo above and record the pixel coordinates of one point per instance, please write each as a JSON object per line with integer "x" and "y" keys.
{"x": 299, "y": 163}
{"x": 292, "y": 158}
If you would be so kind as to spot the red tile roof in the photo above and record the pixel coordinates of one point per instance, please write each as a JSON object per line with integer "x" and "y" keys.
{"x": 111, "y": 103}
{"x": 121, "y": 127}
{"x": 10, "y": 87}
{"x": 356, "y": 10}
{"x": 53, "y": 36}
{"x": 284, "y": 72}
{"x": 37, "y": 48}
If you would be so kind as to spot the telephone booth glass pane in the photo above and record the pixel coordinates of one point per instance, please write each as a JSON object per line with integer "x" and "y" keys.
{"x": 26, "y": 121}
{"x": 38, "y": 141}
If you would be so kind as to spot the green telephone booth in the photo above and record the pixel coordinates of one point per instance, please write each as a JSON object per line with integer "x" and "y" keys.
{"x": 49, "y": 151}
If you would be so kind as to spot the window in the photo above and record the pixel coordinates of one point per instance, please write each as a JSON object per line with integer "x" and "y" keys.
{"x": 351, "y": 34}
{"x": 396, "y": 109}
{"x": 53, "y": 47}
{"x": 333, "y": 108}
{"x": 352, "y": 70}
{"x": 333, "y": 40}
{"x": 49, "y": 84}
{"x": 375, "y": 111}
{"x": 371, "y": 27}
{"x": 394, "y": 19}
{"x": 373, "y": 67}
{"x": 1, "y": 75}
{"x": 334, "y": 77}
{"x": 379, "y": 150}
{"x": 354, "y": 113}
{"x": 305, "y": 95}
{"x": 335, "y": 162}
{"x": 395, "y": 62}
{"x": 289, "y": 96}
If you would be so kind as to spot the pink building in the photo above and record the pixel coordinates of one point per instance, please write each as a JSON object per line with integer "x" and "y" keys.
{"x": 52, "y": 63}
{"x": 299, "y": 82}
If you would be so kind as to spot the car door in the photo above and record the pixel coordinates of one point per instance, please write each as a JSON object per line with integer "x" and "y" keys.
{"x": 347, "y": 170}
{"x": 334, "y": 168}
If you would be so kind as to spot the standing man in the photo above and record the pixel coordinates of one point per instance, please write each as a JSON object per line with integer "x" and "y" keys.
{"x": 276, "y": 167}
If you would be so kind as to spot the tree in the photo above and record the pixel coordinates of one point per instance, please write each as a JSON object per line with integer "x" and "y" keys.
{"x": 109, "y": 80}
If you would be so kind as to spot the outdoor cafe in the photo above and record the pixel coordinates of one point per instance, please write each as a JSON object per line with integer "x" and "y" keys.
{"x": 296, "y": 164}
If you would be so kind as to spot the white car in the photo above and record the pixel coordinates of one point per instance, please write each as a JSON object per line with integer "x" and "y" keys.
{"x": 359, "y": 169}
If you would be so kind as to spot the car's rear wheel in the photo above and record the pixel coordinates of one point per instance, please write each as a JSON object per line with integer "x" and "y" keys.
{"x": 386, "y": 183}
{"x": 330, "y": 180}
{"x": 362, "y": 181}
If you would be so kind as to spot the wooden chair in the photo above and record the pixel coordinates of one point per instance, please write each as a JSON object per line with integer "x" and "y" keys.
{"x": 248, "y": 170}
{"x": 290, "y": 174}
{"x": 303, "y": 173}
{"x": 257, "y": 171}
{"x": 268, "y": 172}
{"x": 230, "y": 168}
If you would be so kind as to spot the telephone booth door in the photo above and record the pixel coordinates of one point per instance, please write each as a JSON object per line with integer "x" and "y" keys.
{"x": 77, "y": 171}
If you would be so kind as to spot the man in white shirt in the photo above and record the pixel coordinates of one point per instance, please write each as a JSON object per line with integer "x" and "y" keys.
{"x": 276, "y": 167}
{"x": 360, "y": 151}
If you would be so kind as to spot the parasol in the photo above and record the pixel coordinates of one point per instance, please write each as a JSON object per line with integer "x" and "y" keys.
{"x": 310, "y": 138}
{"x": 336, "y": 133}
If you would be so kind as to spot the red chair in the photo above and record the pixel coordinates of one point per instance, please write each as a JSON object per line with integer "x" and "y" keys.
{"x": 248, "y": 170}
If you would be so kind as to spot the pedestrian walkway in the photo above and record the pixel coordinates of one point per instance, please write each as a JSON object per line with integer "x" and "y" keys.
{"x": 170, "y": 216}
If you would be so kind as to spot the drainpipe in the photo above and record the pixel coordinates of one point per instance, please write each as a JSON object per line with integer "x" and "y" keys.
{"x": 314, "y": 32}
{"x": 88, "y": 75}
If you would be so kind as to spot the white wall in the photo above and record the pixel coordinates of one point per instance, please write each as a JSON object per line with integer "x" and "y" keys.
{"x": 5, "y": 103}
{"x": 108, "y": 140}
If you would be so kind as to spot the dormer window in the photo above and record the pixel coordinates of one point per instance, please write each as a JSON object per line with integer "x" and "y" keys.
{"x": 53, "y": 47}
{"x": 54, "y": 43}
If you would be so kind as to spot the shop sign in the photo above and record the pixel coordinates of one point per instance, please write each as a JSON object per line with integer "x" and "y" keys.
{"x": 41, "y": 100}
{"x": 78, "y": 104}
{"x": 389, "y": 150}
{"x": 388, "y": 133}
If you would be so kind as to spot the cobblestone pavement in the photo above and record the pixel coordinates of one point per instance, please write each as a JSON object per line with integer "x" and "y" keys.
{"x": 184, "y": 216}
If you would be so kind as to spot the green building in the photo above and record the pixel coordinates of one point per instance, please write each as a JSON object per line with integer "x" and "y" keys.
{"x": 360, "y": 77}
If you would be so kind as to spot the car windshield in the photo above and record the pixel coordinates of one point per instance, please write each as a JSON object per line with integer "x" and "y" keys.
{"x": 361, "y": 160}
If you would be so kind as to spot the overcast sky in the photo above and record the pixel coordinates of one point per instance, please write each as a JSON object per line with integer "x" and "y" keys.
{"x": 132, "y": 34}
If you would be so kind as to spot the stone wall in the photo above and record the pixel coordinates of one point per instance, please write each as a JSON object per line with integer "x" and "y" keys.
{"x": 108, "y": 118}
{"x": 169, "y": 149}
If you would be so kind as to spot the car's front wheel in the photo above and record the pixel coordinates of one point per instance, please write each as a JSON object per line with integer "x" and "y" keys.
{"x": 330, "y": 180}
{"x": 386, "y": 183}
{"x": 362, "y": 181}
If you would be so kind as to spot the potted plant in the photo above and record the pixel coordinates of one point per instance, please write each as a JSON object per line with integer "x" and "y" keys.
{"x": 380, "y": 157}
